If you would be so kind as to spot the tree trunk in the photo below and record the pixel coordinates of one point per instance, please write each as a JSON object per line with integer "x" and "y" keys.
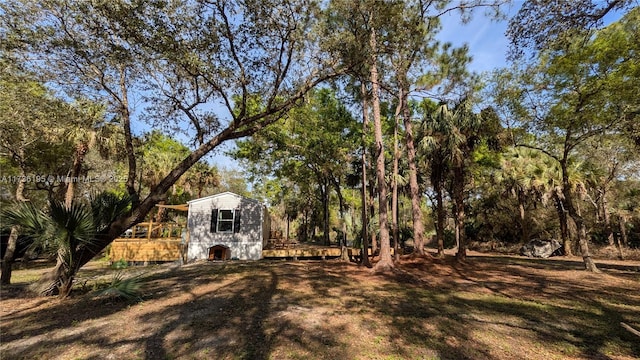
{"x": 414, "y": 189}
{"x": 607, "y": 219}
{"x": 7, "y": 260}
{"x": 341, "y": 240}
{"x": 385, "y": 262}
{"x": 160, "y": 213}
{"x": 12, "y": 242}
{"x": 128, "y": 137}
{"x": 76, "y": 170}
{"x": 589, "y": 264}
{"x": 305, "y": 225}
{"x": 458, "y": 195}
{"x": 372, "y": 210}
{"x": 370, "y": 201}
{"x": 288, "y": 223}
{"x": 440, "y": 214}
{"x": 394, "y": 182}
{"x": 524, "y": 224}
{"x": 344, "y": 229}
{"x": 365, "y": 220}
{"x": 324, "y": 188}
{"x": 618, "y": 244}
{"x": 623, "y": 231}
{"x": 59, "y": 281}
{"x": 564, "y": 224}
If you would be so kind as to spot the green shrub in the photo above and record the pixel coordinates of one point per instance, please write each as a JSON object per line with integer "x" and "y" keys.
{"x": 120, "y": 264}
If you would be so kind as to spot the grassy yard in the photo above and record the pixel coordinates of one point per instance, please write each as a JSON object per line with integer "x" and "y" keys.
{"x": 493, "y": 307}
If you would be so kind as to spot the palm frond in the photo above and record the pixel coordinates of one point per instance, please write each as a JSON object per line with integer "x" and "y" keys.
{"x": 122, "y": 288}
{"x": 74, "y": 223}
{"x": 32, "y": 221}
{"x": 106, "y": 207}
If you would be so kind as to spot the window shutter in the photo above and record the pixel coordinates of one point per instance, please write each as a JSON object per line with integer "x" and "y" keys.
{"x": 214, "y": 220}
{"x": 236, "y": 220}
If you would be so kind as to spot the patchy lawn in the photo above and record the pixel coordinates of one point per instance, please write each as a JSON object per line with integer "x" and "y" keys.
{"x": 494, "y": 307}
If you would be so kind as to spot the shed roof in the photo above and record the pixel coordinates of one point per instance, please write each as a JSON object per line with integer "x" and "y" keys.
{"x": 179, "y": 207}
{"x": 226, "y": 193}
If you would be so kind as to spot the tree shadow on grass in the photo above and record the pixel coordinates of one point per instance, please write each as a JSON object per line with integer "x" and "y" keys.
{"x": 203, "y": 311}
{"x": 582, "y": 315}
{"x": 246, "y": 318}
{"x": 260, "y": 310}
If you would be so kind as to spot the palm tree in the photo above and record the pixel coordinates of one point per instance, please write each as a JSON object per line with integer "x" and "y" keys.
{"x": 200, "y": 178}
{"x": 69, "y": 230}
{"x": 550, "y": 181}
{"x": 522, "y": 176}
{"x": 433, "y": 157}
{"x": 87, "y": 130}
{"x": 453, "y": 133}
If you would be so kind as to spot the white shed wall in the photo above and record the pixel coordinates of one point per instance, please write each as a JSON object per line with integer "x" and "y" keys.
{"x": 246, "y": 244}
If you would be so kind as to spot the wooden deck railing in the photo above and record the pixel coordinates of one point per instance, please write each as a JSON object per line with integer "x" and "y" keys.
{"x": 151, "y": 230}
{"x": 149, "y": 242}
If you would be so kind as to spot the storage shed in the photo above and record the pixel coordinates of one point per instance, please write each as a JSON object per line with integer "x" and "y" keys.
{"x": 227, "y": 226}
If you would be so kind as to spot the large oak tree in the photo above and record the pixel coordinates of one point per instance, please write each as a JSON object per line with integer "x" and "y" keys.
{"x": 177, "y": 65}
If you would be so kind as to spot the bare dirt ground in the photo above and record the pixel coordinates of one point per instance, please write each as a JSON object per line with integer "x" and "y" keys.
{"x": 491, "y": 307}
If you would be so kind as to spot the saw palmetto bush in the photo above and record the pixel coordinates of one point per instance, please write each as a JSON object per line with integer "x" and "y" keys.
{"x": 121, "y": 287}
{"x": 67, "y": 230}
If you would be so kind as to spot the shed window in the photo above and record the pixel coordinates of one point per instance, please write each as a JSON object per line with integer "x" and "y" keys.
{"x": 225, "y": 220}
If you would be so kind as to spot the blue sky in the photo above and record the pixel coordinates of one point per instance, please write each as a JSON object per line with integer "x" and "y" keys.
{"x": 486, "y": 38}
{"x": 487, "y": 41}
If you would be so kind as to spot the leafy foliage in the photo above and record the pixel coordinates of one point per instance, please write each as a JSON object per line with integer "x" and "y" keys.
{"x": 544, "y": 24}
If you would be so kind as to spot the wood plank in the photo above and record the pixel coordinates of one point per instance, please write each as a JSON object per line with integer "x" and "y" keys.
{"x": 145, "y": 250}
{"x": 301, "y": 252}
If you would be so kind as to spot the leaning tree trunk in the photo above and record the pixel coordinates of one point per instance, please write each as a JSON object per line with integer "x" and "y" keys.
{"x": 583, "y": 243}
{"x": 385, "y": 262}
{"x": 241, "y": 127}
